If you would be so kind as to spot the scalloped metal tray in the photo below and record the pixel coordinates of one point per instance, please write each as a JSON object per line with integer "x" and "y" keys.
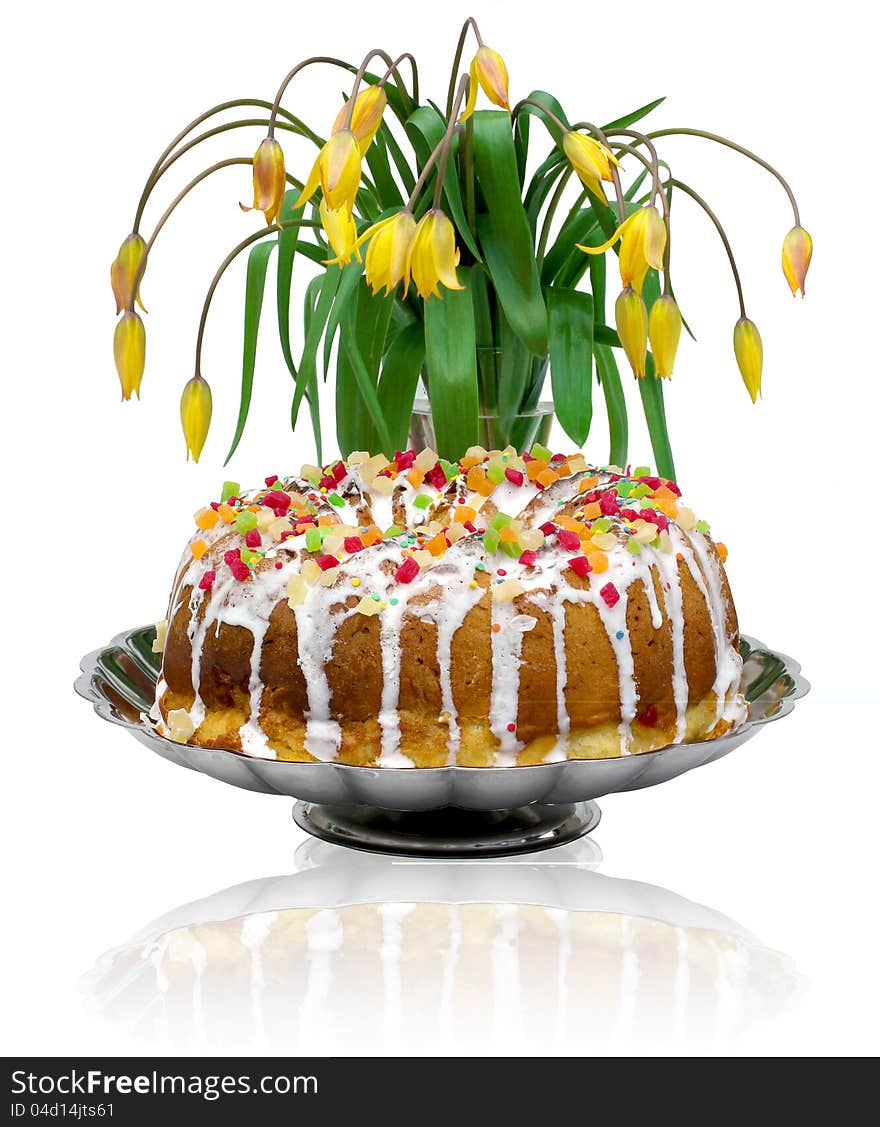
{"x": 120, "y": 679}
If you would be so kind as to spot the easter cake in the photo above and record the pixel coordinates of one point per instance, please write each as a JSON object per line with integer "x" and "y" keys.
{"x": 503, "y": 610}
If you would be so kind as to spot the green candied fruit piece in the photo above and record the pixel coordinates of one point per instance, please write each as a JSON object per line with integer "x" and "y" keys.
{"x": 640, "y": 491}
{"x": 601, "y": 524}
{"x": 449, "y": 468}
{"x": 245, "y": 521}
{"x": 500, "y": 520}
{"x": 495, "y": 474}
{"x": 642, "y": 471}
{"x": 632, "y": 545}
{"x": 491, "y": 539}
{"x": 393, "y": 530}
{"x": 249, "y": 557}
{"x": 623, "y": 487}
{"x": 423, "y": 501}
{"x": 313, "y": 539}
{"x": 647, "y": 503}
{"x": 314, "y": 477}
{"x": 703, "y": 526}
{"x": 230, "y": 489}
{"x": 336, "y": 500}
{"x": 511, "y": 548}
{"x": 539, "y": 451}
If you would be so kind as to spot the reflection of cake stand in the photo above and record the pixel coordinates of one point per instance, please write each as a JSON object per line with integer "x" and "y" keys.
{"x": 355, "y": 953}
{"x": 437, "y": 811}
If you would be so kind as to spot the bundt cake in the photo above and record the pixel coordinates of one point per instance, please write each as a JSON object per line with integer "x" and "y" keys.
{"x": 503, "y": 610}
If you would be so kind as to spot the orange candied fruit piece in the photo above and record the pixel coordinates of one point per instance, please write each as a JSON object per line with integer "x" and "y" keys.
{"x": 326, "y": 520}
{"x": 437, "y": 544}
{"x": 592, "y": 511}
{"x": 199, "y": 547}
{"x": 722, "y": 551}
{"x": 464, "y": 513}
{"x": 572, "y": 525}
{"x": 533, "y": 468}
{"x": 206, "y": 519}
{"x": 598, "y": 560}
{"x": 372, "y": 536}
{"x": 546, "y": 477}
{"x": 508, "y": 534}
{"x": 227, "y": 513}
{"x": 478, "y": 482}
{"x": 415, "y": 476}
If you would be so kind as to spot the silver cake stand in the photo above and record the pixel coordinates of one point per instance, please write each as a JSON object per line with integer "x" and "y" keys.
{"x": 436, "y": 811}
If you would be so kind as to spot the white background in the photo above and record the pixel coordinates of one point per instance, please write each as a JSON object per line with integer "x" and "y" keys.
{"x": 99, "y": 837}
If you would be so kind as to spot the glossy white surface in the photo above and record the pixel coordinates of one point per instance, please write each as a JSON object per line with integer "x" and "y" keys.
{"x": 98, "y": 837}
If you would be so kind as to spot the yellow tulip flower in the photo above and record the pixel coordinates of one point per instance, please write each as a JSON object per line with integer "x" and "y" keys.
{"x": 631, "y": 318}
{"x": 797, "y": 250}
{"x": 129, "y": 353}
{"x": 433, "y": 255}
{"x": 366, "y": 116}
{"x": 749, "y": 352}
{"x": 590, "y": 159}
{"x": 643, "y": 241}
{"x": 664, "y": 329}
{"x": 388, "y": 253}
{"x": 269, "y": 180}
{"x": 488, "y": 70}
{"x": 337, "y": 171}
{"x": 195, "y": 415}
{"x": 124, "y": 270}
{"x": 341, "y": 231}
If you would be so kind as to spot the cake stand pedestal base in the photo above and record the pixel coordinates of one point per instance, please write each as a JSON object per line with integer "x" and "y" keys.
{"x": 450, "y": 832}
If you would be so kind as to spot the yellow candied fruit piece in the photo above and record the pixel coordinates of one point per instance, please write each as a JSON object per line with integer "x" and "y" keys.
{"x": 531, "y": 538}
{"x": 357, "y": 457}
{"x": 382, "y": 486}
{"x": 473, "y": 456}
{"x": 198, "y": 548}
{"x": 572, "y": 525}
{"x": 598, "y": 561}
{"x": 668, "y": 508}
{"x": 426, "y": 460}
{"x": 180, "y": 725}
{"x": 464, "y": 513}
{"x": 423, "y": 557}
{"x": 332, "y": 545}
{"x": 265, "y": 520}
{"x": 455, "y": 532}
{"x": 227, "y": 513}
{"x": 158, "y": 645}
{"x": 665, "y": 542}
{"x": 415, "y": 476}
{"x": 328, "y": 577}
{"x": 367, "y": 606}
{"x": 278, "y": 527}
{"x": 546, "y": 477}
{"x": 604, "y": 541}
{"x": 577, "y": 464}
{"x": 310, "y": 572}
{"x": 311, "y": 472}
{"x": 206, "y": 518}
{"x": 297, "y": 589}
{"x": 507, "y": 591}
{"x": 686, "y": 518}
{"x": 646, "y": 533}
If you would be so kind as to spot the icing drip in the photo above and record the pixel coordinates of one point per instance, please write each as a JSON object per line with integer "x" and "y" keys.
{"x": 315, "y": 634}
{"x": 504, "y": 704}
{"x": 672, "y": 597}
{"x": 459, "y": 599}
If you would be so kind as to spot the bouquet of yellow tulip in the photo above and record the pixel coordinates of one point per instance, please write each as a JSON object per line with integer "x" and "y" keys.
{"x": 445, "y": 257}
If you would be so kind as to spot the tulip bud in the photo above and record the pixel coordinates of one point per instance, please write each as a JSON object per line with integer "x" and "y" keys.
{"x": 749, "y": 355}
{"x": 341, "y": 231}
{"x": 124, "y": 270}
{"x": 269, "y": 180}
{"x": 129, "y": 352}
{"x": 631, "y": 318}
{"x": 433, "y": 255}
{"x": 366, "y": 117}
{"x": 590, "y": 159}
{"x": 797, "y": 250}
{"x": 388, "y": 253}
{"x": 488, "y": 70}
{"x": 664, "y": 329}
{"x": 337, "y": 170}
{"x": 195, "y": 415}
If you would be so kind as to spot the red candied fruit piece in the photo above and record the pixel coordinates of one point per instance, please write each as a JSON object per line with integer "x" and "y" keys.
{"x": 277, "y": 501}
{"x": 270, "y": 481}
{"x": 253, "y": 539}
{"x": 326, "y": 562}
{"x": 436, "y": 476}
{"x": 353, "y": 544}
{"x": 651, "y": 482}
{"x": 558, "y": 458}
{"x": 671, "y": 485}
{"x": 470, "y": 526}
{"x": 655, "y": 518}
{"x": 527, "y": 457}
{"x": 338, "y": 471}
{"x": 207, "y": 580}
{"x": 529, "y": 558}
{"x": 628, "y": 514}
{"x": 286, "y": 535}
{"x": 327, "y": 482}
{"x": 407, "y": 571}
{"x": 608, "y": 503}
{"x": 568, "y": 540}
{"x": 610, "y": 594}
{"x": 580, "y": 565}
{"x": 232, "y": 554}
{"x": 239, "y": 569}
{"x": 591, "y": 497}
{"x": 514, "y": 476}
{"x": 548, "y": 528}
{"x": 215, "y": 505}
{"x": 648, "y": 717}
{"x": 404, "y": 460}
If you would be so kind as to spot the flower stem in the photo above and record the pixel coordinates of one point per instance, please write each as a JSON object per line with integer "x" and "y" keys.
{"x": 407, "y": 56}
{"x": 446, "y": 140}
{"x": 548, "y": 216}
{"x": 359, "y": 77}
{"x": 738, "y": 149}
{"x": 470, "y": 22}
{"x": 688, "y": 191}
{"x": 440, "y": 149}
{"x": 656, "y": 189}
{"x": 288, "y": 78}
